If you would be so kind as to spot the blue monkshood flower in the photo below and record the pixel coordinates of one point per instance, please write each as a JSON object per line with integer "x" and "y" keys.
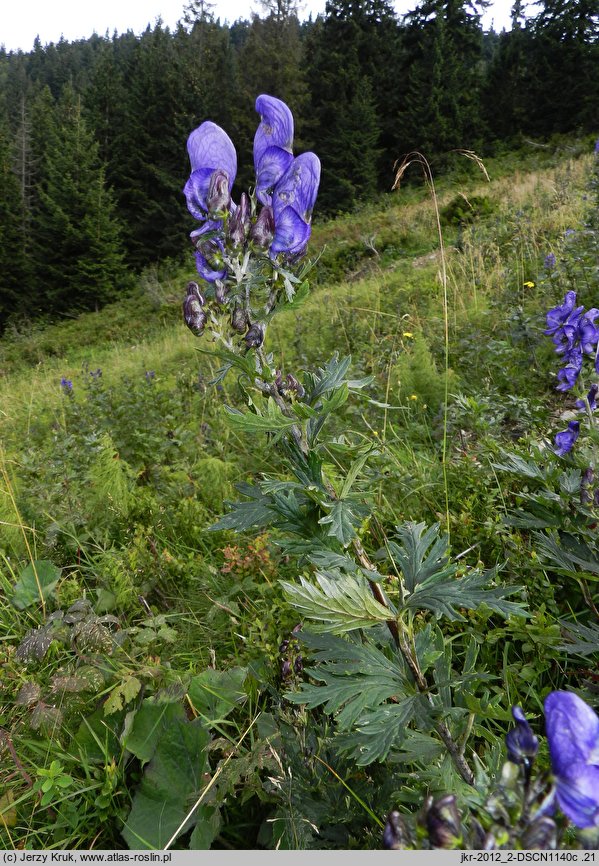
{"x": 565, "y": 440}
{"x": 588, "y": 332}
{"x": 573, "y": 736}
{"x": 549, "y": 261}
{"x": 213, "y": 169}
{"x": 522, "y": 744}
{"x": 209, "y": 251}
{"x": 569, "y": 374}
{"x": 591, "y": 399}
{"x": 597, "y": 146}
{"x": 565, "y": 315}
{"x": 293, "y": 201}
{"x": 66, "y": 385}
{"x": 273, "y": 145}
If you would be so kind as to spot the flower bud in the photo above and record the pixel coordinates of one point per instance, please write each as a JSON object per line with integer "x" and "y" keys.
{"x": 286, "y": 669}
{"x": 263, "y": 230}
{"x": 239, "y": 320}
{"x": 193, "y": 313}
{"x": 298, "y": 665}
{"x": 239, "y": 223}
{"x": 219, "y": 197}
{"x": 220, "y": 292}
{"x": 443, "y": 822}
{"x": 522, "y": 745}
{"x": 255, "y": 336}
{"x": 542, "y": 834}
{"x": 394, "y": 834}
{"x": 294, "y": 385}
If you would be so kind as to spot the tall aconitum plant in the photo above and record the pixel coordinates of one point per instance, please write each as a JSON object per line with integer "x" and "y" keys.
{"x": 382, "y": 666}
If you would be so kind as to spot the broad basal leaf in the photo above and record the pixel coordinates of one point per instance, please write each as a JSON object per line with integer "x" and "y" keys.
{"x": 173, "y": 781}
{"x": 215, "y": 694}
{"x": 36, "y": 583}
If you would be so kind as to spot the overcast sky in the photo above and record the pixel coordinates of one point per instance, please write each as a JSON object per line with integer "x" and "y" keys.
{"x": 23, "y": 20}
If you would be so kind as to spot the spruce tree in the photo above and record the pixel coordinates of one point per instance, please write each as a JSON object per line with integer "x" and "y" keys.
{"x": 79, "y": 259}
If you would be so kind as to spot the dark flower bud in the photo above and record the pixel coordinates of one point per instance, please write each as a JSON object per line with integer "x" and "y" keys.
{"x": 596, "y": 498}
{"x": 263, "y": 230}
{"x": 541, "y": 834}
{"x": 255, "y": 336}
{"x": 296, "y": 628}
{"x": 294, "y": 385}
{"x": 194, "y": 289}
{"x": 286, "y": 669}
{"x": 284, "y": 646}
{"x": 239, "y": 224}
{"x": 219, "y": 197}
{"x": 220, "y": 292}
{"x": 443, "y": 822}
{"x": 588, "y": 476}
{"x": 522, "y": 745}
{"x": 239, "y": 320}
{"x": 298, "y": 665}
{"x": 394, "y": 834}
{"x": 193, "y": 313}
{"x": 481, "y": 839}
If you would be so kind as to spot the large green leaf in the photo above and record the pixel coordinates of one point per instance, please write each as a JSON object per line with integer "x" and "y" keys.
{"x": 149, "y": 724}
{"x": 37, "y": 581}
{"x": 273, "y": 421}
{"x": 339, "y": 604}
{"x": 215, "y": 694}
{"x": 172, "y": 782}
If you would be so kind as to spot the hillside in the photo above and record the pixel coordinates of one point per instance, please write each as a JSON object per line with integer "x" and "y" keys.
{"x": 118, "y": 456}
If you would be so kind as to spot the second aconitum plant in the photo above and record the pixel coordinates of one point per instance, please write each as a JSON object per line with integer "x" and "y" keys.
{"x": 373, "y": 615}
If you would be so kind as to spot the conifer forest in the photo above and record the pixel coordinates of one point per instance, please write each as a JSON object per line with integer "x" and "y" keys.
{"x": 299, "y": 432}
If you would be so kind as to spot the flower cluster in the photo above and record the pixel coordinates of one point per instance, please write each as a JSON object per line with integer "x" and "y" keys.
{"x": 286, "y": 189}
{"x": 575, "y": 335}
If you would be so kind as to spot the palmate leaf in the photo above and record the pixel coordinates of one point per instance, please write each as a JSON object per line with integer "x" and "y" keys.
{"x": 353, "y": 677}
{"x": 378, "y": 731}
{"x": 339, "y": 604}
{"x": 571, "y": 556}
{"x": 421, "y": 554}
{"x": 444, "y": 597}
{"x": 244, "y": 515}
{"x": 583, "y": 639}
{"x": 344, "y": 517}
{"x": 273, "y": 421}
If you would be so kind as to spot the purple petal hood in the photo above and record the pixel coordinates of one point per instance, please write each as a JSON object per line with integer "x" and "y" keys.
{"x": 273, "y": 145}
{"x": 573, "y": 735}
{"x": 210, "y": 149}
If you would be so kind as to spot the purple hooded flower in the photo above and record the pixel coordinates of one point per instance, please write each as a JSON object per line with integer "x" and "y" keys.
{"x": 209, "y": 251}
{"x": 569, "y": 374}
{"x": 522, "y": 744}
{"x": 563, "y": 319}
{"x": 293, "y": 201}
{"x": 273, "y": 145}
{"x": 573, "y": 736}
{"x": 591, "y": 399}
{"x": 565, "y": 440}
{"x": 550, "y": 261}
{"x": 588, "y": 332}
{"x": 211, "y": 152}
